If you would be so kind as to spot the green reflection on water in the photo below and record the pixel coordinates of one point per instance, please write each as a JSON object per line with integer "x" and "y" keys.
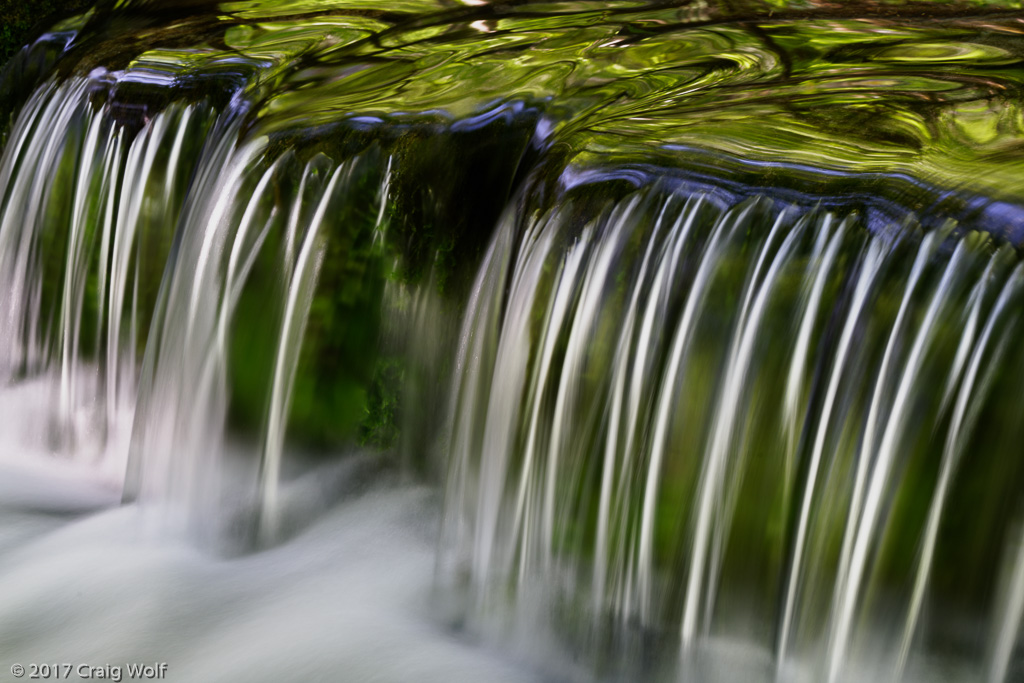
{"x": 937, "y": 97}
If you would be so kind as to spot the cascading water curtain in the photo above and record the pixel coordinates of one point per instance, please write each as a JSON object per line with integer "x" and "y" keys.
{"x": 126, "y": 248}
{"x": 665, "y": 341}
{"x": 276, "y": 215}
{"x": 745, "y": 421}
{"x": 89, "y": 209}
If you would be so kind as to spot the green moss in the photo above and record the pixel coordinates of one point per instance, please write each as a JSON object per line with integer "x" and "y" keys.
{"x": 380, "y": 425}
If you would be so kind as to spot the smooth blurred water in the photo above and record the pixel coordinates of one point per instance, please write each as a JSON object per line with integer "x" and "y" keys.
{"x": 496, "y": 341}
{"x": 347, "y": 597}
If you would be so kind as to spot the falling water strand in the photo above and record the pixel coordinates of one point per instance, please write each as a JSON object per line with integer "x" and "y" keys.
{"x": 299, "y": 298}
{"x": 1008, "y": 627}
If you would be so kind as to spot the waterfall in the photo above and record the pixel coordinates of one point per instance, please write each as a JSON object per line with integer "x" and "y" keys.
{"x": 633, "y": 341}
{"x": 726, "y": 420}
{"x": 233, "y": 225}
{"x": 88, "y": 215}
{"x": 128, "y": 240}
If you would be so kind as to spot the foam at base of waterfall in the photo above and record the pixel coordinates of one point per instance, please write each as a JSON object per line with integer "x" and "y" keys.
{"x": 347, "y": 599}
{"x": 37, "y": 471}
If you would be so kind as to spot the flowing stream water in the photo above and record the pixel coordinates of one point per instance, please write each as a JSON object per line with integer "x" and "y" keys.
{"x": 514, "y": 341}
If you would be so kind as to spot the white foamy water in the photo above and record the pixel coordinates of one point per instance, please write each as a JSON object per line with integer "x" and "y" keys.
{"x": 349, "y": 598}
